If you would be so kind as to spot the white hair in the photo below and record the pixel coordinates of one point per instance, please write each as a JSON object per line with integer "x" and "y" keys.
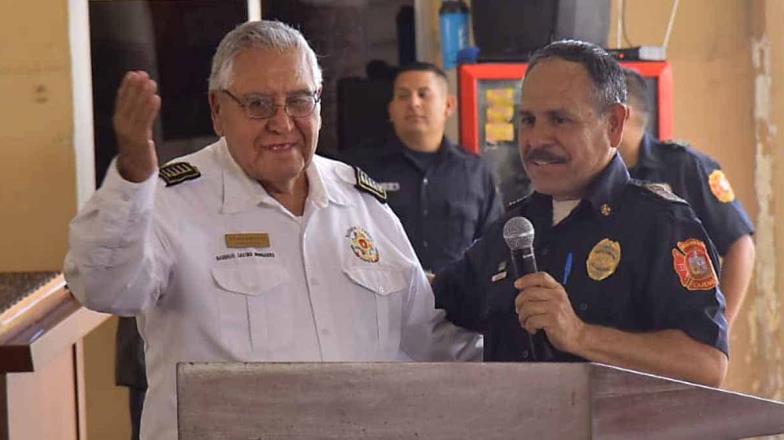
{"x": 267, "y": 34}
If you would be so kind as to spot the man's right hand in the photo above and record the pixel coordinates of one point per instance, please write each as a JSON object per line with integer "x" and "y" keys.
{"x": 135, "y": 110}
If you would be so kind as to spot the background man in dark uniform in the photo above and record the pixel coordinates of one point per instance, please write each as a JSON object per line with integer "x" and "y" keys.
{"x": 698, "y": 179}
{"x": 444, "y": 196}
{"x": 627, "y": 272}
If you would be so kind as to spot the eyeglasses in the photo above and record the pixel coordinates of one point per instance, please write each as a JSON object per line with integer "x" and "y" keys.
{"x": 262, "y": 107}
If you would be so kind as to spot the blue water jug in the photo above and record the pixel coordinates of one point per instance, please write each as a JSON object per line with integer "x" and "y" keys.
{"x": 453, "y": 20}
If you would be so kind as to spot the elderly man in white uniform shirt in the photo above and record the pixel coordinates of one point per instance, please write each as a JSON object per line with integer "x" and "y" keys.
{"x": 252, "y": 249}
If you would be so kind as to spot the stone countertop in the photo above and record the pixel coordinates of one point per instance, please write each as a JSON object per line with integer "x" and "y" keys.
{"x": 14, "y": 286}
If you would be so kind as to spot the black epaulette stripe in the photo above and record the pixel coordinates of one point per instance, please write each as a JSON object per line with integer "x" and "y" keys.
{"x": 368, "y": 185}
{"x": 178, "y": 172}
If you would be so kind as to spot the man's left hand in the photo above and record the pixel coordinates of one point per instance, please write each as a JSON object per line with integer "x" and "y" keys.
{"x": 543, "y": 304}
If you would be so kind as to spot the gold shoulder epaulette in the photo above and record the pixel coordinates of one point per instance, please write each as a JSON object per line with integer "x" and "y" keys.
{"x": 368, "y": 185}
{"x": 664, "y": 191}
{"x": 178, "y": 172}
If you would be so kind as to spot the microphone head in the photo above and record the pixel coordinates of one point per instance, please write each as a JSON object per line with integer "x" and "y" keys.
{"x": 518, "y": 233}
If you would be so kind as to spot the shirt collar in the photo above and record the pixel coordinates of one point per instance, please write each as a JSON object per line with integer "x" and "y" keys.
{"x": 447, "y": 148}
{"x": 241, "y": 193}
{"x": 331, "y": 181}
{"x": 601, "y": 193}
{"x": 396, "y": 146}
{"x": 608, "y": 185}
{"x": 647, "y": 159}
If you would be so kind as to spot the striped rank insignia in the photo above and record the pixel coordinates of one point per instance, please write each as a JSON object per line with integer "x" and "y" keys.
{"x": 664, "y": 191}
{"x": 368, "y": 185}
{"x": 178, "y": 172}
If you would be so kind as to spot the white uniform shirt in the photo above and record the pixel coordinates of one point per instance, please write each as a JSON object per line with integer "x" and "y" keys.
{"x": 314, "y": 294}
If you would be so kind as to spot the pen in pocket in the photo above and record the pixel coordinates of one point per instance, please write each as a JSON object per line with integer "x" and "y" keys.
{"x": 567, "y": 268}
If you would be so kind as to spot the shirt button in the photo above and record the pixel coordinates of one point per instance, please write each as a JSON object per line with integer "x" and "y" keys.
{"x": 524, "y": 354}
{"x": 545, "y": 251}
{"x": 424, "y": 212}
{"x": 583, "y": 307}
{"x": 424, "y": 181}
{"x": 424, "y": 244}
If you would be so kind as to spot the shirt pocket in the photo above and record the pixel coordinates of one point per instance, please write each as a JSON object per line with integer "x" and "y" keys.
{"x": 460, "y": 224}
{"x": 254, "y": 305}
{"x": 601, "y": 302}
{"x": 387, "y": 285}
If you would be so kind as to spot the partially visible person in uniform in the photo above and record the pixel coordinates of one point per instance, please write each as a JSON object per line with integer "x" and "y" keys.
{"x": 698, "y": 179}
{"x": 626, "y": 270}
{"x": 252, "y": 249}
{"x": 444, "y": 196}
{"x": 129, "y": 369}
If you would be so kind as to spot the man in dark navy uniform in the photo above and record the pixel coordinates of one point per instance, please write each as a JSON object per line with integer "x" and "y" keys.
{"x": 627, "y": 271}
{"x": 698, "y": 179}
{"x": 444, "y": 196}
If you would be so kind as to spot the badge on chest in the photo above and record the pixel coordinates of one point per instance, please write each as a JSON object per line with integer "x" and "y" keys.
{"x": 247, "y": 240}
{"x": 251, "y": 244}
{"x": 361, "y": 243}
{"x": 603, "y": 259}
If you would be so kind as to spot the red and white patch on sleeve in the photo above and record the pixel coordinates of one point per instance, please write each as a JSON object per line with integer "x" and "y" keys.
{"x": 693, "y": 265}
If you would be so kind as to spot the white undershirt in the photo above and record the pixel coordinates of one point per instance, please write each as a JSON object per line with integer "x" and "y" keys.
{"x": 561, "y": 209}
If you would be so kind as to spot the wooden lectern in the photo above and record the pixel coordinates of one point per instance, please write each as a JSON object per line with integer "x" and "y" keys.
{"x": 42, "y": 326}
{"x": 439, "y": 401}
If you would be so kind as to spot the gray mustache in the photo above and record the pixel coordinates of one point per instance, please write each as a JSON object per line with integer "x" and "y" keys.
{"x": 543, "y": 155}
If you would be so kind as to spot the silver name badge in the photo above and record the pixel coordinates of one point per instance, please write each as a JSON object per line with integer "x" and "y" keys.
{"x": 390, "y": 186}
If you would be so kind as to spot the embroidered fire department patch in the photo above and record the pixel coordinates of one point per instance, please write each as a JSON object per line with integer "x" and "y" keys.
{"x": 603, "y": 259}
{"x": 720, "y": 186}
{"x": 693, "y": 265}
{"x": 362, "y": 245}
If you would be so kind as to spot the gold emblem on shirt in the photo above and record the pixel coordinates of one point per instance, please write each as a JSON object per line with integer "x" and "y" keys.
{"x": 247, "y": 240}
{"x": 720, "y": 187}
{"x": 362, "y": 244}
{"x": 603, "y": 259}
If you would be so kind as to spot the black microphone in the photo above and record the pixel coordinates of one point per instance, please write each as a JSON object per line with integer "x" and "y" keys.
{"x": 519, "y": 237}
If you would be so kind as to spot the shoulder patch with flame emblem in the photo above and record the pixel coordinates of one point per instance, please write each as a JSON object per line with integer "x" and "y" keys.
{"x": 693, "y": 265}
{"x": 720, "y": 187}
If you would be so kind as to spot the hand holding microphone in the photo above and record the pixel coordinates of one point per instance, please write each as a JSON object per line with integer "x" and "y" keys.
{"x": 534, "y": 301}
{"x": 519, "y": 237}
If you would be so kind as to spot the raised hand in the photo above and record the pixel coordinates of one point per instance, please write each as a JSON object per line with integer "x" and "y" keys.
{"x": 135, "y": 110}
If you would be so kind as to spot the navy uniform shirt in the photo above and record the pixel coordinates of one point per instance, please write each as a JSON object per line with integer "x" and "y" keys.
{"x": 698, "y": 179}
{"x": 630, "y": 257}
{"x": 444, "y": 206}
